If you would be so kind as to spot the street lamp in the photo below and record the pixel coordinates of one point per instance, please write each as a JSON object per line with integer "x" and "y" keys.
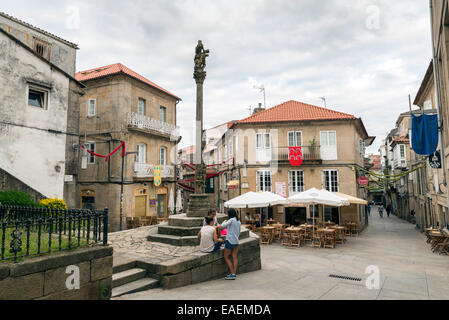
{"x": 121, "y": 188}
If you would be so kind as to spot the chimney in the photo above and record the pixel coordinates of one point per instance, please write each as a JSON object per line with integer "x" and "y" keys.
{"x": 258, "y": 109}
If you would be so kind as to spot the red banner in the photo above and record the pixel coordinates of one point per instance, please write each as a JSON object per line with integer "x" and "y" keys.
{"x": 295, "y": 156}
{"x": 109, "y": 155}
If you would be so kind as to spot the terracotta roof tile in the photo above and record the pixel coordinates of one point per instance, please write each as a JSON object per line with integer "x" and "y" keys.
{"x": 117, "y": 68}
{"x": 296, "y": 111}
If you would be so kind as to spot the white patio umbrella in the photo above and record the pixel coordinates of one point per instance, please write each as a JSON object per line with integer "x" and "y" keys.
{"x": 315, "y": 197}
{"x": 171, "y": 202}
{"x": 178, "y": 201}
{"x": 255, "y": 200}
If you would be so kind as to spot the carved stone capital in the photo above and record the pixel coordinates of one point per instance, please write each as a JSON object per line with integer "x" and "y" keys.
{"x": 199, "y": 76}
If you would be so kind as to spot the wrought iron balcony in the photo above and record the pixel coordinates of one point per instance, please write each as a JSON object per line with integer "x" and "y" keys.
{"x": 309, "y": 153}
{"x": 145, "y": 170}
{"x": 139, "y": 121}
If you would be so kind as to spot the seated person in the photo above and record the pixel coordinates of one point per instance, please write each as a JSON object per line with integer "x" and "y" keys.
{"x": 212, "y": 213}
{"x": 209, "y": 241}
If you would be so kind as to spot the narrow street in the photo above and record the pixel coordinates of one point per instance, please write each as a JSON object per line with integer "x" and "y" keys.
{"x": 408, "y": 270}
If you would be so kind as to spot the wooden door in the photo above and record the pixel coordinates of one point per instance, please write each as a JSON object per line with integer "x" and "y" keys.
{"x": 140, "y": 206}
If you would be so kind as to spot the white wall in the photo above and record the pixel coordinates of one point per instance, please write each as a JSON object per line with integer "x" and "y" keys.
{"x": 29, "y": 152}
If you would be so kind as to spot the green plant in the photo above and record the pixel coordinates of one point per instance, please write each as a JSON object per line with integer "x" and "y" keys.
{"x": 312, "y": 146}
{"x": 17, "y": 198}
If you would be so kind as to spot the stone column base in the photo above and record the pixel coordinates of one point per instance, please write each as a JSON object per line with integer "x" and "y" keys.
{"x": 198, "y": 205}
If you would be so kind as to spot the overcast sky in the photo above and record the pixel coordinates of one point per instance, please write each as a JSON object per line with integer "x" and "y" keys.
{"x": 364, "y": 56}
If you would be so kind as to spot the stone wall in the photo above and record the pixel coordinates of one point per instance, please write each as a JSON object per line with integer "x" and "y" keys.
{"x": 7, "y": 181}
{"x": 199, "y": 267}
{"x": 44, "y": 278}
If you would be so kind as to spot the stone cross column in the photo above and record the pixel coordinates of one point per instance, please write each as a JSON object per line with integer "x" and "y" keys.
{"x": 199, "y": 75}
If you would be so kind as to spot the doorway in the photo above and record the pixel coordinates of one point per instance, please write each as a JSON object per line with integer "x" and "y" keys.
{"x": 140, "y": 208}
{"x": 295, "y": 216}
{"x": 161, "y": 205}
{"x": 332, "y": 214}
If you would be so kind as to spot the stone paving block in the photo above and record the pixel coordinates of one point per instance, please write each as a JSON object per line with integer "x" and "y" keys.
{"x": 387, "y": 294}
{"x": 178, "y": 265}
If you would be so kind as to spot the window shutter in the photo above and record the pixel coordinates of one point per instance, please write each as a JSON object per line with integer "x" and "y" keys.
{"x": 290, "y": 187}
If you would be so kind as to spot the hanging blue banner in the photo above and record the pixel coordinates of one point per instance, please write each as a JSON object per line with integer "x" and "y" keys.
{"x": 425, "y": 134}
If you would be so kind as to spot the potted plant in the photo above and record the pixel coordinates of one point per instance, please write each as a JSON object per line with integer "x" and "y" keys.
{"x": 312, "y": 148}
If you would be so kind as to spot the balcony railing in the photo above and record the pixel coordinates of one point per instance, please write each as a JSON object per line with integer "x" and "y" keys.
{"x": 309, "y": 153}
{"x": 400, "y": 163}
{"x": 145, "y": 170}
{"x": 139, "y": 121}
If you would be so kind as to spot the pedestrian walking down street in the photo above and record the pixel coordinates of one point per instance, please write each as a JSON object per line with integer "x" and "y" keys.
{"x": 388, "y": 210}
{"x": 369, "y": 209}
{"x": 381, "y": 211}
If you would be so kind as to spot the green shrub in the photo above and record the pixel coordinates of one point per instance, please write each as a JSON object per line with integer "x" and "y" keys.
{"x": 54, "y": 203}
{"x": 17, "y": 198}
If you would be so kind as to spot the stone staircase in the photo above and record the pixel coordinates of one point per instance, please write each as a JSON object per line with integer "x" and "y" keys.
{"x": 128, "y": 278}
{"x": 183, "y": 230}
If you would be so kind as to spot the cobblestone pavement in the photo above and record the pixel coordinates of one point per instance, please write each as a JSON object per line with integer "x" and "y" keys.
{"x": 134, "y": 242}
{"x": 408, "y": 270}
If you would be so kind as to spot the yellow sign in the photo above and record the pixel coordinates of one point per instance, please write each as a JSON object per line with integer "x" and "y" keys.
{"x": 157, "y": 175}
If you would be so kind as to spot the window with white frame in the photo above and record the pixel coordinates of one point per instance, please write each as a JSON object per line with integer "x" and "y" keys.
{"x": 328, "y": 138}
{"x": 141, "y": 107}
{"x": 402, "y": 151}
{"x": 362, "y": 146}
{"x": 295, "y": 181}
{"x": 294, "y": 138}
{"x": 263, "y": 147}
{"x": 37, "y": 96}
{"x": 263, "y": 180}
{"x": 163, "y": 156}
{"x": 141, "y": 153}
{"x": 90, "y": 157}
{"x": 163, "y": 114}
{"x": 91, "y": 107}
{"x": 330, "y": 180}
{"x": 428, "y": 105}
{"x": 230, "y": 149}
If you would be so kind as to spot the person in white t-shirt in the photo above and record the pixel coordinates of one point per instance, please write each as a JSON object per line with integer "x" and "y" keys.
{"x": 209, "y": 242}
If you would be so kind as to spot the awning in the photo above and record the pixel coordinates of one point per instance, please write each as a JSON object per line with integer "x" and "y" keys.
{"x": 351, "y": 199}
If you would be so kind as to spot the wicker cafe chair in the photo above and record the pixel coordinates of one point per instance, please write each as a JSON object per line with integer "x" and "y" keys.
{"x": 265, "y": 236}
{"x": 286, "y": 238}
{"x": 354, "y": 230}
{"x": 329, "y": 239}
{"x": 129, "y": 222}
{"x": 317, "y": 239}
{"x": 295, "y": 238}
{"x": 340, "y": 236}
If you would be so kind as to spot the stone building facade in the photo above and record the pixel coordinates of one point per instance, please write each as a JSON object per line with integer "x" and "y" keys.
{"x": 39, "y": 97}
{"x": 333, "y": 146}
{"x": 122, "y": 106}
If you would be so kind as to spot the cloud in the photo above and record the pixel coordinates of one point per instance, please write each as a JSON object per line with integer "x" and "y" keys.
{"x": 298, "y": 50}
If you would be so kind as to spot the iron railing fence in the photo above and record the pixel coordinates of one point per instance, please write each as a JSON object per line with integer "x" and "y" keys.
{"x": 27, "y": 231}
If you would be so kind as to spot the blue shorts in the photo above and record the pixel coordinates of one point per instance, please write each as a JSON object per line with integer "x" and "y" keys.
{"x": 217, "y": 246}
{"x": 230, "y": 246}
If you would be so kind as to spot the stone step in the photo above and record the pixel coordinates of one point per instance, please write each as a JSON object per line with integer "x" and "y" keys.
{"x": 179, "y": 231}
{"x": 123, "y": 266}
{"x": 181, "y": 220}
{"x": 185, "y": 241}
{"x": 135, "y": 286}
{"x": 127, "y": 276}
{"x": 174, "y": 240}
